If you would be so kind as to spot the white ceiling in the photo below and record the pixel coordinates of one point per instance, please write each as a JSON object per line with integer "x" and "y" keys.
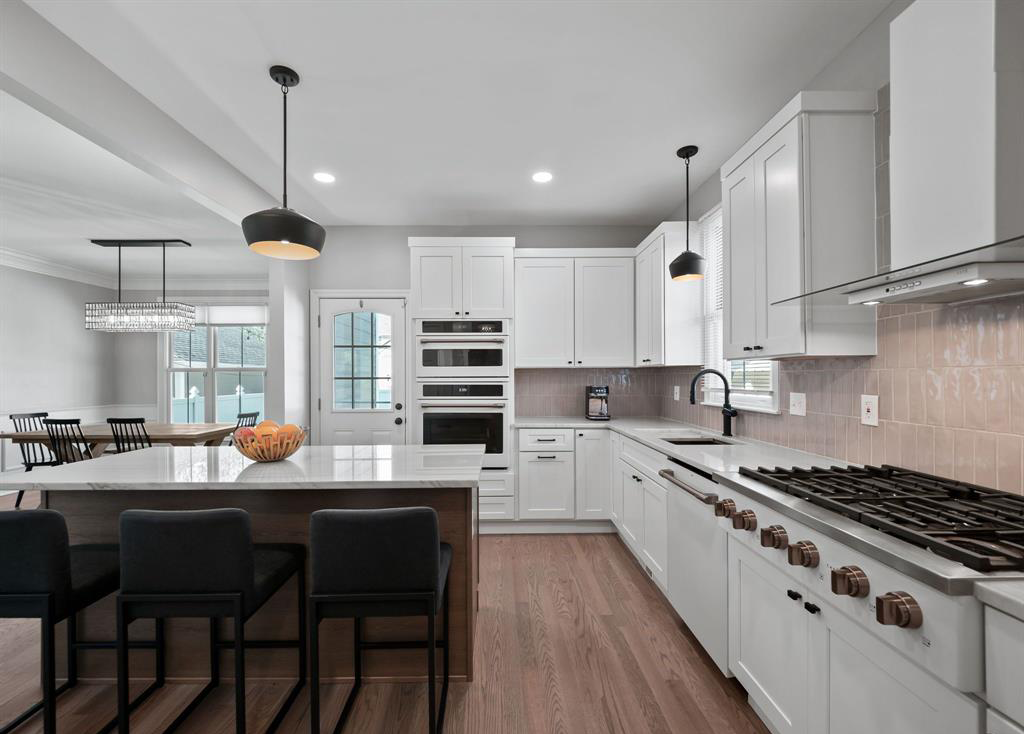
{"x": 438, "y": 112}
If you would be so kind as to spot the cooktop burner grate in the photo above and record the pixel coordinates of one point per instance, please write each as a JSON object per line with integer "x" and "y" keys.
{"x": 979, "y": 527}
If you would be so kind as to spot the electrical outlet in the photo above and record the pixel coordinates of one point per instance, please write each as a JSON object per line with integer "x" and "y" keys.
{"x": 797, "y": 403}
{"x": 675, "y": 392}
{"x": 869, "y": 410}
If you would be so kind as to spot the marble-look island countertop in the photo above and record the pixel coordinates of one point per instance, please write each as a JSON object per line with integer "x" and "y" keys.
{"x": 223, "y": 467}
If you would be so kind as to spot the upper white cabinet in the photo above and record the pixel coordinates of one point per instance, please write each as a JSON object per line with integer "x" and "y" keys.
{"x": 669, "y": 315}
{"x": 798, "y": 213}
{"x": 574, "y": 312}
{"x": 462, "y": 277}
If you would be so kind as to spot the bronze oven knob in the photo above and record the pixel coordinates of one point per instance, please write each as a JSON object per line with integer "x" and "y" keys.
{"x": 725, "y": 508}
{"x": 774, "y": 536}
{"x": 850, "y": 581}
{"x": 898, "y": 608}
{"x": 803, "y": 553}
{"x": 745, "y": 520}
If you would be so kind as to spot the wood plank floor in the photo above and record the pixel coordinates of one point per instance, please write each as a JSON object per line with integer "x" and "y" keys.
{"x": 572, "y": 638}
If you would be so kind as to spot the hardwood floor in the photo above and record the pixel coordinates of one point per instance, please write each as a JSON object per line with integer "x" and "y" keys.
{"x": 572, "y": 637}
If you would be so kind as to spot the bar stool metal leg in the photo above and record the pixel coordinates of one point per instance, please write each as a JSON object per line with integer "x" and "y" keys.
{"x": 431, "y": 663}
{"x": 239, "y": 670}
{"x": 49, "y": 673}
{"x": 445, "y": 653}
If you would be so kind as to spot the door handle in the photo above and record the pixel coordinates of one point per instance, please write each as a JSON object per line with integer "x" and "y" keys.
{"x": 462, "y": 405}
{"x": 461, "y": 342}
{"x": 398, "y": 421}
{"x": 812, "y": 608}
{"x": 547, "y": 457}
{"x": 794, "y": 595}
{"x": 398, "y": 406}
{"x": 707, "y": 499}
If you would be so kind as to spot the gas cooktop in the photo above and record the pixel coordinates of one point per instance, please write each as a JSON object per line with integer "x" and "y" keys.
{"x": 979, "y": 527}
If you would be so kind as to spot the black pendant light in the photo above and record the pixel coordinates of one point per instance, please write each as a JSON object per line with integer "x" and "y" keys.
{"x": 281, "y": 232}
{"x": 689, "y": 265}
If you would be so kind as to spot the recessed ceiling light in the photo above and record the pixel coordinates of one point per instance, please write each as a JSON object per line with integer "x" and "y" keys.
{"x": 976, "y": 281}
{"x": 324, "y": 177}
{"x": 542, "y": 177}
{"x": 870, "y": 303}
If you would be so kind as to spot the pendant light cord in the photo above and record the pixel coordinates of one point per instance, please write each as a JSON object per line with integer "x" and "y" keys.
{"x": 687, "y": 162}
{"x": 119, "y": 273}
{"x": 163, "y": 283}
{"x": 284, "y": 168}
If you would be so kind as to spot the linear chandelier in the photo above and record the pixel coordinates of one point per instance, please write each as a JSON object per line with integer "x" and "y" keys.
{"x": 144, "y": 316}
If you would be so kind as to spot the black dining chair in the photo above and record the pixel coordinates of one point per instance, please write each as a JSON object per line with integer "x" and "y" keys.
{"x": 32, "y": 454}
{"x": 379, "y": 563}
{"x": 129, "y": 434}
{"x": 203, "y": 563}
{"x": 244, "y": 419}
{"x": 66, "y": 440}
{"x": 43, "y": 577}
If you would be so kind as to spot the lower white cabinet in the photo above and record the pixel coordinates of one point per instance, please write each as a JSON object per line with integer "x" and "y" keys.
{"x": 632, "y": 506}
{"x": 593, "y": 469}
{"x": 547, "y": 485}
{"x": 655, "y": 541}
{"x": 496, "y": 508}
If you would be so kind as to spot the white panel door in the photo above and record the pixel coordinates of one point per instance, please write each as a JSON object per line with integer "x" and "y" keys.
{"x": 632, "y": 507}
{"x": 593, "y": 470}
{"x": 604, "y": 311}
{"x": 619, "y": 478}
{"x": 768, "y": 639}
{"x": 362, "y": 371}
{"x": 643, "y": 308}
{"x": 742, "y": 291}
{"x": 650, "y": 304}
{"x": 544, "y": 324}
{"x": 546, "y": 485}
{"x": 655, "y": 545}
{"x": 487, "y": 282}
{"x": 780, "y": 329}
{"x": 437, "y": 282}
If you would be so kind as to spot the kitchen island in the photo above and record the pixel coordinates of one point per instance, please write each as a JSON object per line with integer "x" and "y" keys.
{"x": 280, "y": 497}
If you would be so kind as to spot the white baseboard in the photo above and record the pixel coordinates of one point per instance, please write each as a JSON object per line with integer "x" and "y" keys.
{"x": 540, "y": 527}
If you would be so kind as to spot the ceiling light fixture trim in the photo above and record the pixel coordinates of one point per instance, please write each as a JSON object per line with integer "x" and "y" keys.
{"x": 542, "y": 177}
{"x": 688, "y": 265}
{"x": 281, "y": 232}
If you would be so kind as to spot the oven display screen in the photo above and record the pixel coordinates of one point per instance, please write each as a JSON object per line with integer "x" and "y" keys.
{"x": 452, "y": 428}
{"x": 461, "y": 327}
{"x": 462, "y": 357}
{"x": 463, "y": 391}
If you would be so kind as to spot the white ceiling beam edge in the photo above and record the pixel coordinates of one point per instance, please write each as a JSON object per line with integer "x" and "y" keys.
{"x": 46, "y": 70}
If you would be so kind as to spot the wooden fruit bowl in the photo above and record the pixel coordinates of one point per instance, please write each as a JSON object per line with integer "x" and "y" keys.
{"x": 273, "y": 447}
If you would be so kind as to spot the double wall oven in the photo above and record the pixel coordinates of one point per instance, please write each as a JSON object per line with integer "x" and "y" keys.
{"x": 463, "y": 386}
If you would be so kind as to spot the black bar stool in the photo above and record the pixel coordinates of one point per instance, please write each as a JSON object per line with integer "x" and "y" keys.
{"x": 32, "y": 454}
{"x": 42, "y": 577}
{"x": 203, "y": 563}
{"x": 379, "y": 563}
{"x": 129, "y": 434}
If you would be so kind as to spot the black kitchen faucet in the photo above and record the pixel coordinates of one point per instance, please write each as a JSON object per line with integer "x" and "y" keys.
{"x": 728, "y": 412}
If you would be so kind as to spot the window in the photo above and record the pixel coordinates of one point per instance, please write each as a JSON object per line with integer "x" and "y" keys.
{"x": 753, "y": 381}
{"x": 362, "y": 361}
{"x": 222, "y": 360}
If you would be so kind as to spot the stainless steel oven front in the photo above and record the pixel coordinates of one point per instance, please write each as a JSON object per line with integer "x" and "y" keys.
{"x": 452, "y": 412}
{"x": 462, "y": 349}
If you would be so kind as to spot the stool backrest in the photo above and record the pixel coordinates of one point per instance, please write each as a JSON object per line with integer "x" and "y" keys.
{"x": 244, "y": 419}
{"x": 129, "y": 434}
{"x": 186, "y": 552}
{"x": 34, "y": 555}
{"x": 66, "y": 440}
{"x": 375, "y": 551}
{"x": 32, "y": 454}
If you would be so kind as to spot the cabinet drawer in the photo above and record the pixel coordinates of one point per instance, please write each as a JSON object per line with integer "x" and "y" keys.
{"x": 546, "y": 439}
{"x": 497, "y": 484}
{"x": 497, "y": 508}
{"x": 649, "y": 461}
{"x": 1004, "y": 663}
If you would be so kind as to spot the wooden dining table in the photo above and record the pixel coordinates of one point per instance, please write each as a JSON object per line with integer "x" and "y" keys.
{"x": 99, "y": 435}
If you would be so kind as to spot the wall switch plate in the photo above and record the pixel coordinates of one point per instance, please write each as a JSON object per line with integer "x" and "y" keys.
{"x": 798, "y": 403}
{"x": 869, "y": 410}
{"x": 675, "y": 392}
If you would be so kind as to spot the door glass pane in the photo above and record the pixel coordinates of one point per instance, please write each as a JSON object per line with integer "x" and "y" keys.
{"x": 342, "y": 361}
{"x": 188, "y": 348}
{"x": 362, "y": 327}
{"x": 343, "y": 328}
{"x": 361, "y": 394}
{"x": 362, "y": 361}
{"x": 188, "y": 403}
{"x": 239, "y": 392}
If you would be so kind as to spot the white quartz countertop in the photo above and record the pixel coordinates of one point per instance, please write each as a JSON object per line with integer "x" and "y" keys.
{"x": 222, "y": 467}
{"x": 716, "y": 459}
{"x": 1006, "y": 596}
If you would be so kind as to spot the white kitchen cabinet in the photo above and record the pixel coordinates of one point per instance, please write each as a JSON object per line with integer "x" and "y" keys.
{"x": 632, "y": 506}
{"x": 798, "y": 215}
{"x": 545, "y": 312}
{"x": 604, "y": 312}
{"x": 768, "y": 639}
{"x": 593, "y": 474}
{"x": 650, "y": 296}
{"x": 546, "y": 485}
{"x": 462, "y": 277}
{"x": 618, "y": 479}
{"x": 1004, "y": 663}
{"x": 655, "y": 538}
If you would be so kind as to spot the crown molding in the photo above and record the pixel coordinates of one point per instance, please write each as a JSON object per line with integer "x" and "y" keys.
{"x": 23, "y": 261}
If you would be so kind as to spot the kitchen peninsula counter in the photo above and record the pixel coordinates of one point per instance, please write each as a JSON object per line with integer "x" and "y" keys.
{"x": 280, "y": 497}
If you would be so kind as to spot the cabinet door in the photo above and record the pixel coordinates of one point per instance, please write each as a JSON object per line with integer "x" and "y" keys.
{"x": 487, "y": 282}
{"x": 546, "y": 484}
{"x": 778, "y": 208}
{"x": 632, "y": 507}
{"x": 643, "y": 308}
{"x": 604, "y": 311}
{"x": 656, "y": 302}
{"x": 768, "y": 638}
{"x": 593, "y": 470}
{"x": 619, "y": 478}
{"x": 857, "y": 684}
{"x": 544, "y": 305}
{"x": 655, "y": 553}
{"x": 437, "y": 282}
{"x": 740, "y": 273}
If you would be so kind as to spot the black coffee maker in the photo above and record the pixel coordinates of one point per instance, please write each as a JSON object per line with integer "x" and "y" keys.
{"x": 596, "y": 406}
